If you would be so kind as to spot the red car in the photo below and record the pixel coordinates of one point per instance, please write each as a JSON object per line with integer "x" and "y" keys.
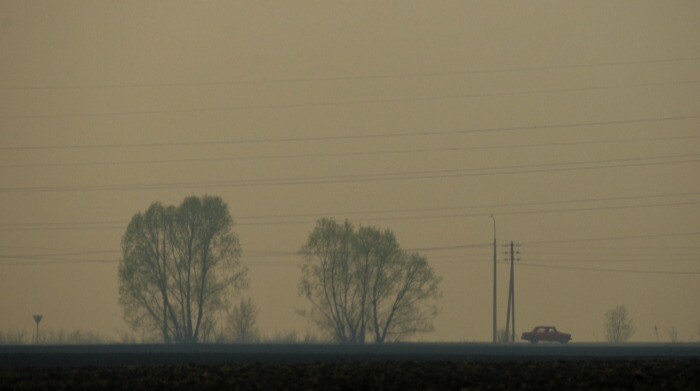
{"x": 546, "y": 333}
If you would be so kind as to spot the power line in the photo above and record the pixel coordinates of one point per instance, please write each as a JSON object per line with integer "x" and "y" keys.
{"x": 458, "y": 247}
{"x": 399, "y": 218}
{"x": 630, "y": 271}
{"x": 354, "y": 136}
{"x": 271, "y": 263}
{"x": 338, "y": 103}
{"x": 349, "y": 78}
{"x": 660, "y": 260}
{"x": 667, "y": 235}
{"x": 34, "y": 256}
{"x": 50, "y": 258}
{"x": 93, "y": 225}
{"x": 602, "y": 208}
{"x": 41, "y": 258}
{"x": 616, "y": 258}
{"x": 347, "y": 154}
{"x": 62, "y": 262}
{"x": 34, "y": 248}
{"x": 395, "y": 176}
{"x": 67, "y": 227}
{"x": 486, "y": 214}
{"x": 493, "y": 205}
{"x": 607, "y": 255}
{"x": 695, "y": 249}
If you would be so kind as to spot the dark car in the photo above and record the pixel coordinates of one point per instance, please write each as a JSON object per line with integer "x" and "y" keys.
{"x": 546, "y": 333}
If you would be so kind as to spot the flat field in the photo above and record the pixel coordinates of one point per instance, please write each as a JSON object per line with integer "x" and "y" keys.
{"x": 651, "y": 374}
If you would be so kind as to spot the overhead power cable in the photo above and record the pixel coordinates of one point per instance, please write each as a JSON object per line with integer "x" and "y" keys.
{"x": 647, "y": 249}
{"x": 486, "y": 214}
{"x": 347, "y": 154}
{"x": 615, "y": 258}
{"x": 170, "y": 144}
{"x": 34, "y": 256}
{"x": 58, "y": 262}
{"x": 650, "y": 236}
{"x": 539, "y": 252}
{"x": 458, "y": 247}
{"x": 349, "y": 77}
{"x": 50, "y": 258}
{"x": 381, "y": 218}
{"x": 354, "y": 178}
{"x": 630, "y": 271}
{"x": 478, "y": 206}
{"x": 336, "y": 103}
{"x": 525, "y": 264}
{"x": 280, "y": 217}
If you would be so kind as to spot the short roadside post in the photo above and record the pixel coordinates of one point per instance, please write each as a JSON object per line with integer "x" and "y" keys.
{"x": 37, "y": 319}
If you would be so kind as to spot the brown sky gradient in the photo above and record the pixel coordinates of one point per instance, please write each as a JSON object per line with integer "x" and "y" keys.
{"x": 568, "y": 121}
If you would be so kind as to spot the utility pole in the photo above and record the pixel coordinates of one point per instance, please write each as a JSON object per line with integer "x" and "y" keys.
{"x": 495, "y": 329}
{"x": 512, "y": 291}
{"x": 510, "y": 316}
{"x": 37, "y": 319}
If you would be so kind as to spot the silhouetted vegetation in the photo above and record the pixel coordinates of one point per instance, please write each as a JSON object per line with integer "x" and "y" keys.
{"x": 179, "y": 268}
{"x": 241, "y": 323}
{"x": 618, "y": 325}
{"x": 293, "y": 337}
{"x": 673, "y": 334}
{"x": 53, "y": 337}
{"x": 12, "y": 337}
{"x": 363, "y": 287}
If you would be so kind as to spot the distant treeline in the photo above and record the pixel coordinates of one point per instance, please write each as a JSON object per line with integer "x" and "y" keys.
{"x": 81, "y": 337}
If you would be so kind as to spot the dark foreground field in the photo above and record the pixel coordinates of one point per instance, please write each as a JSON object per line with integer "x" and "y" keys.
{"x": 350, "y": 367}
{"x": 651, "y": 374}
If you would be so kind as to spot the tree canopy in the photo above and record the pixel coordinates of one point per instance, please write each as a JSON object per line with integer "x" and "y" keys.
{"x": 179, "y": 267}
{"x": 363, "y": 287}
{"x": 618, "y": 326}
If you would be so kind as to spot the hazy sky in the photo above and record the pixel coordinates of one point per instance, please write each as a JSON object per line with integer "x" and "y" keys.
{"x": 575, "y": 123}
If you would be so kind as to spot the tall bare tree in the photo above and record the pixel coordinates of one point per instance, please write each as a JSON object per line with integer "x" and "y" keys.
{"x": 241, "y": 322}
{"x": 673, "y": 334}
{"x": 179, "y": 266}
{"x": 618, "y": 325}
{"x": 363, "y": 287}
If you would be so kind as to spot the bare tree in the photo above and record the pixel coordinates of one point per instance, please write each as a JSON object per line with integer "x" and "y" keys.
{"x": 326, "y": 280}
{"x": 673, "y": 334}
{"x": 241, "y": 322}
{"x": 179, "y": 266}
{"x": 293, "y": 337}
{"x": 75, "y": 337}
{"x": 618, "y": 327}
{"x": 362, "y": 286}
{"x": 11, "y": 337}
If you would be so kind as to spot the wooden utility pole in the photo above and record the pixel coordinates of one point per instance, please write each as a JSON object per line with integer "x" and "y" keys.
{"x": 510, "y": 316}
{"x": 512, "y": 291}
{"x": 495, "y": 256}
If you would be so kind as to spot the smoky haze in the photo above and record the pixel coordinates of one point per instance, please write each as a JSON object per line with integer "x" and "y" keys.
{"x": 574, "y": 123}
